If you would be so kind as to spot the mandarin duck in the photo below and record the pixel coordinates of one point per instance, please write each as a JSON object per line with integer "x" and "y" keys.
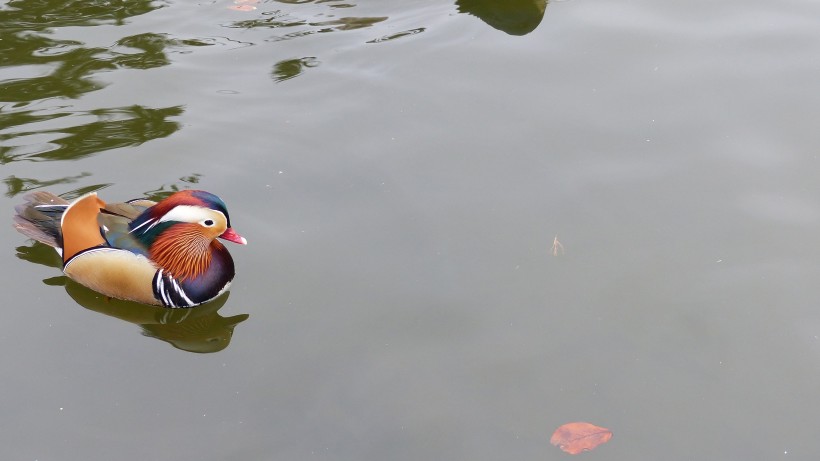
{"x": 163, "y": 253}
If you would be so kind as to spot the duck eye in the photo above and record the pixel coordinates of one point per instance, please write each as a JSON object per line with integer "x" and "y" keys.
{"x": 208, "y": 222}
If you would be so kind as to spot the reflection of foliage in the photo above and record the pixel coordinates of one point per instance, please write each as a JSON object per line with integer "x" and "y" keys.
{"x": 39, "y": 15}
{"x": 80, "y": 191}
{"x": 349, "y": 23}
{"x": 289, "y": 68}
{"x": 153, "y": 50}
{"x": 280, "y": 20}
{"x": 19, "y": 49}
{"x": 53, "y": 69}
{"x": 68, "y": 79}
{"x": 164, "y": 191}
{"x": 330, "y": 3}
{"x": 111, "y": 129}
{"x": 21, "y": 45}
{"x": 74, "y": 64}
{"x": 274, "y": 21}
{"x": 515, "y": 17}
{"x": 17, "y": 185}
{"x": 26, "y": 185}
{"x": 397, "y": 35}
{"x": 193, "y": 179}
{"x": 63, "y": 69}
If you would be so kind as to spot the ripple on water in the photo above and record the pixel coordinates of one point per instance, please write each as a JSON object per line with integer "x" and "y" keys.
{"x": 398, "y": 35}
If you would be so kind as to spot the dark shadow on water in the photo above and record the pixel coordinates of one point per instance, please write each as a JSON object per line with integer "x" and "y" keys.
{"x": 200, "y": 329}
{"x": 515, "y": 17}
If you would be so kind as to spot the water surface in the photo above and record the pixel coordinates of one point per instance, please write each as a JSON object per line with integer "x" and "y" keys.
{"x": 401, "y": 171}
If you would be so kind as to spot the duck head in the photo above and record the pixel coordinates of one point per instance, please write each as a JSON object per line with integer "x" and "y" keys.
{"x": 180, "y": 232}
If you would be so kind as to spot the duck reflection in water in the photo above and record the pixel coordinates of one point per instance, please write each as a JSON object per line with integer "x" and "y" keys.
{"x": 200, "y": 329}
{"x": 515, "y": 17}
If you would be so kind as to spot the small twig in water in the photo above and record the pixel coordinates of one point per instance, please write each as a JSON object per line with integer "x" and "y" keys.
{"x": 556, "y": 246}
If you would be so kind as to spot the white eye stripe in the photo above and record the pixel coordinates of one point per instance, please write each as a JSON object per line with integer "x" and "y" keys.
{"x": 189, "y": 213}
{"x": 152, "y": 223}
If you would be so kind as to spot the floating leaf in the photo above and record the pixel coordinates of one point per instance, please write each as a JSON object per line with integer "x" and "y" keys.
{"x": 574, "y": 438}
{"x": 243, "y": 5}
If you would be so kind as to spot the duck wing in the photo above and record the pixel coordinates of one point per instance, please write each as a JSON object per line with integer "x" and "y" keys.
{"x": 114, "y": 221}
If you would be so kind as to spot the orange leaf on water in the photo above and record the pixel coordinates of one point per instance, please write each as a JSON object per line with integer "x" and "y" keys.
{"x": 574, "y": 438}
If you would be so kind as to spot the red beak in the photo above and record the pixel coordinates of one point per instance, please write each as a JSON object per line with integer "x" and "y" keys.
{"x": 231, "y": 236}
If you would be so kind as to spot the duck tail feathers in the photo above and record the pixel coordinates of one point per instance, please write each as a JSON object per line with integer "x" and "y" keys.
{"x": 39, "y": 218}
